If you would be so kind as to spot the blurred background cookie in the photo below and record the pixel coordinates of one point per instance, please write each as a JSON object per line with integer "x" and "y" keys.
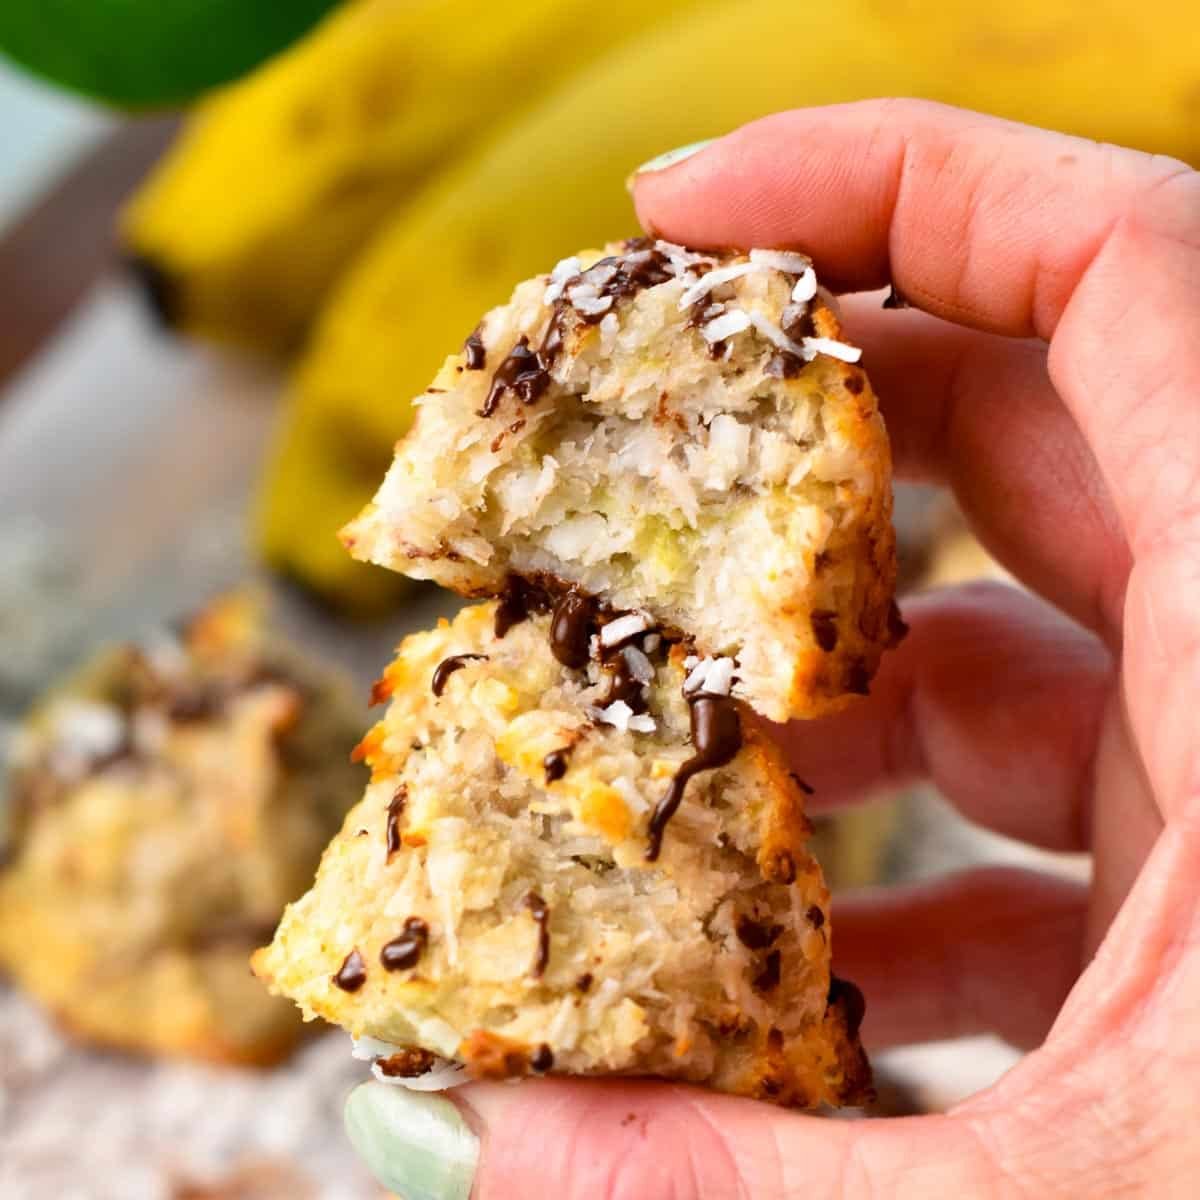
{"x": 163, "y": 806}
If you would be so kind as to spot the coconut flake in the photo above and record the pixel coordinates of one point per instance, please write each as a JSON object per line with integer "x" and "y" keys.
{"x": 719, "y": 677}
{"x": 368, "y": 1049}
{"x": 642, "y": 723}
{"x": 782, "y": 260}
{"x": 806, "y": 287}
{"x": 89, "y": 729}
{"x": 713, "y": 279}
{"x": 591, "y": 306}
{"x": 564, "y": 270}
{"x": 697, "y": 676}
{"x": 831, "y": 348}
{"x": 639, "y": 665}
{"x": 726, "y": 325}
{"x": 617, "y": 714}
{"x": 776, "y": 336}
{"x": 624, "y": 628}
{"x": 690, "y": 661}
{"x": 651, "y": 642}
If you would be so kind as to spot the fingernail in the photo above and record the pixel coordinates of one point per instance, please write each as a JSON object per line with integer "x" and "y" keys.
{"x": 671, "y": 157}
{"x": 415, "y": 1143}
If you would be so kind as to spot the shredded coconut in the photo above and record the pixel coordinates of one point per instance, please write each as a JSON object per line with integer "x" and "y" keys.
{"x": 617, "y": 714}
{"x": 624, "y": 628}
{"x": 725, "y": 326}
{"x": 782, "y": 260}
{"x": 777, "y": 337}
{"x": 832, "y": 348}
{"x": 642, "y": 723}
{"x": 806, "y": 287}
{"x": 713, "y": 279}
{"x": 565, "y": 269}
{"x": 639, "y": 665}
{"x": 719, "y": 677}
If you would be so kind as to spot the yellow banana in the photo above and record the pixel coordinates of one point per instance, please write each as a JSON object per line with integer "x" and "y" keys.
{"x": 553, "y": 183}
{"x": 278, "y": 179}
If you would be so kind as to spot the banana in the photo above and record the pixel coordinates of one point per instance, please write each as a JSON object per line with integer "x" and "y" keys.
{"x": 553, "y": 183}
{"x": 280, "y": 178}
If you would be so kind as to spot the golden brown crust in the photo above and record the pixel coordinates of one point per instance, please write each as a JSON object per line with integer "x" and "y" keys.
{"x": 677, "y": 967}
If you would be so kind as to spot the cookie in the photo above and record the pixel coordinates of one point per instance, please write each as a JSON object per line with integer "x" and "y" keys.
{"x": 577, "y": 854}
{"x": 164, "y": 806}
{"x": 669, "y": 430}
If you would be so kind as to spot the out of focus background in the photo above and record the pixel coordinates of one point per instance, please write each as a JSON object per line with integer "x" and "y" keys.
{"x": 215, "y": 304}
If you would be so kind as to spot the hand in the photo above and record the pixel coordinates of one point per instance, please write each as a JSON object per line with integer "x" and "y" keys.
{"x": 1049, "y": 372}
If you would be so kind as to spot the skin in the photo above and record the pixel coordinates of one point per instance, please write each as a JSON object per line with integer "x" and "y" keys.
{"x": 1049, "y": 372}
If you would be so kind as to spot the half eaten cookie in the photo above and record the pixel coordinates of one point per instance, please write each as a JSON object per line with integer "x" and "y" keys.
{"x": 668, "y": 430}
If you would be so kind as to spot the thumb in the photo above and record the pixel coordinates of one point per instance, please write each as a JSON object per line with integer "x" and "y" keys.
{"x": 636, "y": 1140}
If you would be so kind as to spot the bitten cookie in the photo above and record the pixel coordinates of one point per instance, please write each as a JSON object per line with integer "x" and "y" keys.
{"x": 671, "y": 430}
{"x": 164, "y": 806}
{"x": 576, "y": 854}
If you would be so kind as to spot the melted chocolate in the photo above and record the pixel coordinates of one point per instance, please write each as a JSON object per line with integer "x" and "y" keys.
{"x": 623, "y": 685}
{"x": 522, "y": 373}
{"x": 584, "y": 982}
{"x": 543, "y": 1059}
{"x": 843, "y": 992}
{"x": 555, "y": 764}
{"x": 816, "y": 918}
{"x": 824, "y": 627}
{"x": 801, "y": 325}
{"x": 517, "y": 601}
{"x": 539, "y": 910}
{"x": 475, "y": 350}
{"x": 768, "y": 978}
{"x": 552, "y": 339}
{"x": 193, "y": 704}
{"x": 352, "y": 974}
{"x": 806, "y": 788}
{"x": 717, "y": 737}
{"x": 407, "y": 1063}
{"x": 395, "y": 811}
{"x": 896, "y": 625}
{"x": 755, "y": 935}
{"x": 405, "y": 951}
{"x": 571, "y": 629}
{"x": 895, "y": 298}
{"x": 448, "y": 666}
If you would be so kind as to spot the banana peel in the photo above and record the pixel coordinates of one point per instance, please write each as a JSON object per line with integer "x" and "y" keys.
{"x": 279, "y": 179}
{"x": 554, "y": 182}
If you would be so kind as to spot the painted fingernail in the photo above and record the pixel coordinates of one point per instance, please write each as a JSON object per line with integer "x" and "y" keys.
{"x": 671, "y": 157}
{"x": 415, "y": 1143}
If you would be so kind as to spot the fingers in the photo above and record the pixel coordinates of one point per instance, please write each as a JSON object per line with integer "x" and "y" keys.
{"x": 996, "y": 226}
{"x": 982, "y": 221}
{"x": 994, "y": 697}
{"x": 978, "y": 413}
{"x": 625, "y": 1140}
{"x": 993, "y": 950}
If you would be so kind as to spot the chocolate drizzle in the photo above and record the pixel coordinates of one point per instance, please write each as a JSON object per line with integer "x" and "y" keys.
{"x": 474, "y": 350}
{"x": 395, "y": 811}
{"x": 623, "y": 685}
{"x": 845, "y": 994}
{"x": 767, "y": 978}
{"x": 352, "y": 974}
{"x": 555, "y": 764}
{"x": 522, "y": 373}
{"x": 543, "y": 1059}
{"x": 539, "y": 910}
{"x": 405, "y": 951}
{"x": 717, "y": 737}
{"x": 571, "y": 629}
{"x": 895, "y": 298}
{"x": 756, "y": 935}
{"x": 824, "y": 627}
{"x": 448, "y": 666}
{"x": 518, "y": 600}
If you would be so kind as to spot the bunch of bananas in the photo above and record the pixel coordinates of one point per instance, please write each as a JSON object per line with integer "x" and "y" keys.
{"x": 400, "y": 169}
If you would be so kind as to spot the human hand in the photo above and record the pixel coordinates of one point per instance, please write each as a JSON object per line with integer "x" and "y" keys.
{"x": 1074, "y": 448}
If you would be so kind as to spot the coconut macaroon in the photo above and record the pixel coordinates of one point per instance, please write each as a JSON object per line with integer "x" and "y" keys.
{"x": 671, "y": 430}
{"x": 164, "y": 805}
{"x": 576, "y": 855}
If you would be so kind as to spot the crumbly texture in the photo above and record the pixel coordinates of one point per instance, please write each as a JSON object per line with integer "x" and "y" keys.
{"x": 738, "y": 486}
{"x": 165, "y": 805}
{"x": 496, "y": 906}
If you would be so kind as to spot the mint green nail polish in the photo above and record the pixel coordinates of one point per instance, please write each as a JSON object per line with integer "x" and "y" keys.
{"x": 415, "y": 1143}
{"x": 671, "y": 157}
